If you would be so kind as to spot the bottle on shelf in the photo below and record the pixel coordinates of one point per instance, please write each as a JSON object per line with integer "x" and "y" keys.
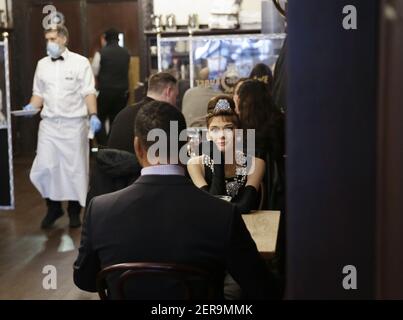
{"x": 183, "y": 72}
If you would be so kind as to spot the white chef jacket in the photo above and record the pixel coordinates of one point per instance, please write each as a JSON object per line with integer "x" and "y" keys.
{"x": 63, "y": 85}
{"x": 61, "y": 166}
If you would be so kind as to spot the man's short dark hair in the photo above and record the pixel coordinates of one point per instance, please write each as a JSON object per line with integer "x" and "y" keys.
{"x": 159, "y": 81}
{"x": 111, "y": 35}
{"x": 61, "y": 30}
{"x": 158, "y": 115}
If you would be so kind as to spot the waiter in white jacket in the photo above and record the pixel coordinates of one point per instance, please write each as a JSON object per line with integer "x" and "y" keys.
{"x": 64, "y": 88}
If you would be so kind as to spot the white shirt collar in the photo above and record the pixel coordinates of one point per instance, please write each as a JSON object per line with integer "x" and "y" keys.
{"x": 65, "y": 53}
{"x": 166, "y": 170}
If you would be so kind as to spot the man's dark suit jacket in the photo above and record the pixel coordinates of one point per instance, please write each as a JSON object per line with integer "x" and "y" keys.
{"x": 168, "y": 219}
{"x": 122, "y": 131}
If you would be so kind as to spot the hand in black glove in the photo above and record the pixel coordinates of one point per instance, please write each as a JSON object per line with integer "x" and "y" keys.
{"x": 246, "y": 200}
{"x": 217, "y": 186}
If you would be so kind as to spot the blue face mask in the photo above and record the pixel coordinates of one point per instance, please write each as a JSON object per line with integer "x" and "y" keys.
{"x": 54, "y": 50}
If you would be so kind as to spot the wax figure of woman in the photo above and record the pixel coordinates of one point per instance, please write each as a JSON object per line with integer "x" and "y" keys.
{"x": 232, "y": 173}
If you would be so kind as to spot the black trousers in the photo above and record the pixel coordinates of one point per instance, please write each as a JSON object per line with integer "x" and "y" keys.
{"x": 110, "y": 102}
{"x": 73, "y": 207}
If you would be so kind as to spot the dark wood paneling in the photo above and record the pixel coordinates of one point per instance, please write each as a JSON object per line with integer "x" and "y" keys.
{"x": 146, "y": 8}
{"x": 331, "y": 148}
{"x": 25, "y": 129}
{"x": 120, "y": 15}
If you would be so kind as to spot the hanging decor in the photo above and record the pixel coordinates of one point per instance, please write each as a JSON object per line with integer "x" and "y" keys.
{"x": 279, "y": 7}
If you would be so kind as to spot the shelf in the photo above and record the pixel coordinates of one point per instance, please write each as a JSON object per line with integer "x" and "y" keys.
{"x": 173, "y": 54}
{"x": 217, "y": 13}
{"x": 180, "y": 54}
{"x": 203, "y": 32}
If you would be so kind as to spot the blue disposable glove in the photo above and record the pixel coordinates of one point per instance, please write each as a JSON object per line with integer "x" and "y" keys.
{"x": 29, "y": 107}
{"x": 95, "y": 123}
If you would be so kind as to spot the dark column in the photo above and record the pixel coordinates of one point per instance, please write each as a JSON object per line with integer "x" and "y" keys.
{"x": 146, "y": 9}
{"x": 331, "y": 141}
{"x": 5, "y": 199}
{"x": 390, "y": 151}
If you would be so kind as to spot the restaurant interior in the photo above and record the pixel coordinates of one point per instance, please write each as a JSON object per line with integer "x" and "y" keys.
{"x": 326, "y": 218}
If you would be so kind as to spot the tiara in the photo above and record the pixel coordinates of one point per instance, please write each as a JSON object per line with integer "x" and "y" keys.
{"x": 222, "y": 104}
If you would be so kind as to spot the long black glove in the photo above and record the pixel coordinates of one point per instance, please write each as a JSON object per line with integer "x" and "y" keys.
{"x": 246, "y": 200}
{"x": 217, "y": 186}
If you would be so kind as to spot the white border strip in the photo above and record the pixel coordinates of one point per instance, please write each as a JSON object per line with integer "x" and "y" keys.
{"x": 9, "y": 128}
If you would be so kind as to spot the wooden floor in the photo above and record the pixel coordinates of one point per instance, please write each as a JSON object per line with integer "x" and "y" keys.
{"x": 25, "y": 249}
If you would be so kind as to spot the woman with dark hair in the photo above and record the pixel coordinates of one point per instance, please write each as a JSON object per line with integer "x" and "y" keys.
{"x": 236, "y": 90}
{"x": 256, "y": 111}
{"x": 234, "y": 175}
{"x": 263, "y": 73}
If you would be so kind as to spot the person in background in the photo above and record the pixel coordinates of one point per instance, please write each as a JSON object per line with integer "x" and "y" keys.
{"x": 257, "y": 111}
{"x": 195, "y": 100}
{"x": 64, "y": 88}
{"x": 240, "y": 178}
{"x": 162, "y": 86}
{"x": 113, "y": 80}
{"x": 164, "y": 218}
{"x": 263, "y": 73}
{"x": 235, "y": 95}
{"x": 116, "y": 166}
{"x": 96, "y": 59}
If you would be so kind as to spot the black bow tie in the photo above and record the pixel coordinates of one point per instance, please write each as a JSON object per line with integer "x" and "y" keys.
{"x": 55, "y": 59}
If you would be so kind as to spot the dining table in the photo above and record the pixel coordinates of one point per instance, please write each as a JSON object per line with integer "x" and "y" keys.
{"x": 263, "y": 227}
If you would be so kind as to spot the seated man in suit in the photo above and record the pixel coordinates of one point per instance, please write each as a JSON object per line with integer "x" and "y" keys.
{"x": 116, "y": 166}
{"x": 162, "y": 86}
{"x": 162, "y": 217}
